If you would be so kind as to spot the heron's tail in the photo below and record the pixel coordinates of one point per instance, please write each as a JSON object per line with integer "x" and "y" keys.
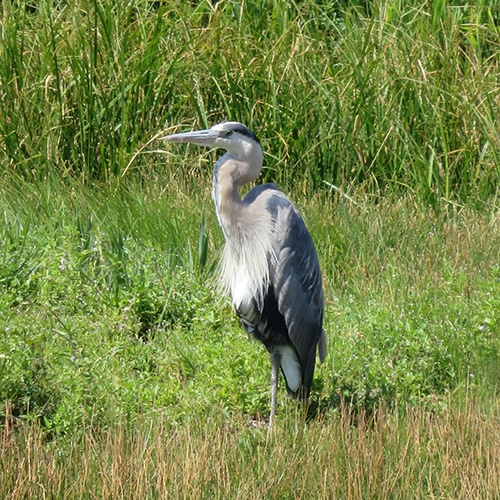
{"x": 299, "y": 374}
{"x": 322, "y": 346}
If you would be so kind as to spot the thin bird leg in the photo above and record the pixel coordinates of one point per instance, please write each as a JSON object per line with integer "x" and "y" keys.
{"x": 275, "y": 367}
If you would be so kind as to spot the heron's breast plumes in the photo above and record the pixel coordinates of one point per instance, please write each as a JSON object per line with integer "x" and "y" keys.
{"x": 245, "y": 264}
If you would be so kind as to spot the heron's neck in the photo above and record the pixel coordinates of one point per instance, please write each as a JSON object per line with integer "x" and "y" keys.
{"x": 226, "y": 197}
{"x": 229, "y": 175}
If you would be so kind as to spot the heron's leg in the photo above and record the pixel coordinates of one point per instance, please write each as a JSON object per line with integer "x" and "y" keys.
{"x": 275, "y": 368}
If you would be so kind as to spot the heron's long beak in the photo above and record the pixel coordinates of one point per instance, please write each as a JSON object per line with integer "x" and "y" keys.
{"x": 200, "y": 137}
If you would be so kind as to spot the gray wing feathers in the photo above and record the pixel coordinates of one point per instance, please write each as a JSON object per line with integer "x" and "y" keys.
{"x": 296, "y": 274}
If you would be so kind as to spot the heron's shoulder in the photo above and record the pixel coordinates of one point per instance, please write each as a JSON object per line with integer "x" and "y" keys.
{"x": 268, "y": 195}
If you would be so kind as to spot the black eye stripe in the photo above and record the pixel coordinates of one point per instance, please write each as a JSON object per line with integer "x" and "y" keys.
{"x": 241, "y": 129}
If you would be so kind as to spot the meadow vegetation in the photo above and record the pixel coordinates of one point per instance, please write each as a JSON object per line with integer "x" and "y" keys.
{"x": 123, "y": 370}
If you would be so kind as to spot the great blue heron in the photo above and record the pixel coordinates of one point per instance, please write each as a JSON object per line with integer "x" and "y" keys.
{"x": 269, "y": 263}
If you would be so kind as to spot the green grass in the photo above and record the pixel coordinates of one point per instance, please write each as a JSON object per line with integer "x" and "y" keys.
{"x": 403, "y": 100}
{"x": 124, "y": 372}
{"x": 108, "y": 296}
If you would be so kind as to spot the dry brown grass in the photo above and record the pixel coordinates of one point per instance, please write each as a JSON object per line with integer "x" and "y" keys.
{"x": 410, "y": 454}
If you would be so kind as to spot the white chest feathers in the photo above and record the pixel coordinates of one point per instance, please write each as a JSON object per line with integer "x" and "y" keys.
{"x": 245, "y": 273}
{"x": 243, "y": 290}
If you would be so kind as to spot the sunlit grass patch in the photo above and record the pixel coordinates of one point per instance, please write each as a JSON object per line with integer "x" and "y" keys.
{"x": 410, "y": 453}
{"x": 105, "y": 298}
{"x": 400, "y": 98}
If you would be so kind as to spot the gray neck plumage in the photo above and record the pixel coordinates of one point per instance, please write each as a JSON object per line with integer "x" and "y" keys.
{"x": 231, "y": 172}
{"x": 216, "y": 195}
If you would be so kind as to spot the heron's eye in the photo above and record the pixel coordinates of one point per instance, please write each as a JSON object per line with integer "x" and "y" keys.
{"x": 229, "y": 133}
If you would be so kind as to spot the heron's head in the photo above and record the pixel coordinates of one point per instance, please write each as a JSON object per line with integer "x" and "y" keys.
{"x": 234, "y": 137}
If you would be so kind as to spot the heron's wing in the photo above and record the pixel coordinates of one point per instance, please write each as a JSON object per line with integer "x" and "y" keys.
{"x": 296, "y": 277}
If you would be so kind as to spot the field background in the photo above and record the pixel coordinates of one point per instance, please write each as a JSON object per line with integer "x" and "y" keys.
{"x": 124, "y": 372}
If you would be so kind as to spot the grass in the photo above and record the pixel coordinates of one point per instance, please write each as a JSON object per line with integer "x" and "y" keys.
{"x": 98, "y": 286}
{"x": 124, "y": 373}
{"x": 420, "y": 455}
{"x": 403, "y": 100}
